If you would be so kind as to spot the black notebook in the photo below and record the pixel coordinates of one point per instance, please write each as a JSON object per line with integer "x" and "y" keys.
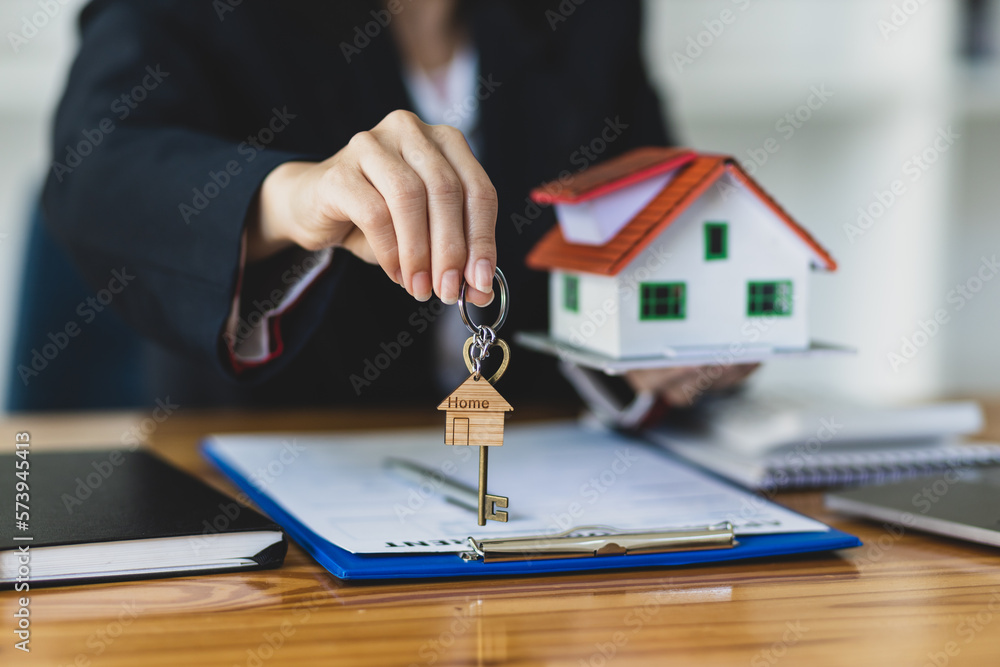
{"x": 110, "y": 515}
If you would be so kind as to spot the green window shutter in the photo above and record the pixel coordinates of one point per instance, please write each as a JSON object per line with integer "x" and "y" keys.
{"x": 769, "y": 298}
{"x": 662, "y": 301}
{"x": 716, "y": 240}
{"x": 571, "y": 293}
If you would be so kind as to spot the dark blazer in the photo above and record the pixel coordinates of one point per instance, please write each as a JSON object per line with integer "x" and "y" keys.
{"x": 176, "y": 111}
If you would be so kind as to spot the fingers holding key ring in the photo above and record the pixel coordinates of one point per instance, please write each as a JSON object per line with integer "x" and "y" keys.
{"x": 483, "y": 338}
{"x": 463, "y": 306}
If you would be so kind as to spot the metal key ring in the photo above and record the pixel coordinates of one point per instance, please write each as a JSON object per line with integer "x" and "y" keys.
{"x": 504, "y": 304}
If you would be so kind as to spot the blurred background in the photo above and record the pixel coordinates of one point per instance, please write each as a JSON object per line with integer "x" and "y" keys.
{"x": 905, "y": 90}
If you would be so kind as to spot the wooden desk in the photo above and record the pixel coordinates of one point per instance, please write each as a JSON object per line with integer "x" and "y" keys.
{"x": 899, "y": 600}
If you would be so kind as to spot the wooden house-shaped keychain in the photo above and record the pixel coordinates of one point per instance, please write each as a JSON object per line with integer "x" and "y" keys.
{"x": 474, "y": 414}
{"x": 668, "y": 255}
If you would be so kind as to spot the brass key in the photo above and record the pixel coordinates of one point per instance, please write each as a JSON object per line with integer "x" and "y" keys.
{"x": 474, "y": 416}
{"x": 488, "y": 503}
{"x": 475, "y": 411}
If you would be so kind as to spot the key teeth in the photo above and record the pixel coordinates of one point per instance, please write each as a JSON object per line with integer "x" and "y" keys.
{"x": 492, "y": 503}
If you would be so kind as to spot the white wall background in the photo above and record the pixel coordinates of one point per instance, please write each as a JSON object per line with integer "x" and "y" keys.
{"x": 892, "y": 93}
{"x": 890, "y": 96}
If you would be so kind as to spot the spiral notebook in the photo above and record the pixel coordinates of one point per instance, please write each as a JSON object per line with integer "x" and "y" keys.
{"x": 776, "y": 441}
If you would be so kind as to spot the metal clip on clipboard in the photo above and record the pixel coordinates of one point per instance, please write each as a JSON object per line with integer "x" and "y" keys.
{"x": 584, "y": 542}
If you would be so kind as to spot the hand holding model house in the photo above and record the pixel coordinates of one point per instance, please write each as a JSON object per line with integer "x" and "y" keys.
{"x": 665, "y": 258}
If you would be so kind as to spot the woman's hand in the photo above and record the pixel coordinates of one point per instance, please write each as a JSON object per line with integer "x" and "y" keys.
{"x": 405, "y": 195}
{"x": 684, "y": 386}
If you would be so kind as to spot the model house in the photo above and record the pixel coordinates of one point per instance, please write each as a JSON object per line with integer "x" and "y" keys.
{"x": 666, "y": 252}
{"x": 474, "y": 414}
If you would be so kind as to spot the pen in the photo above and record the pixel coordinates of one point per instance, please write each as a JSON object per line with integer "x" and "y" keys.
{"x": 452, "y": 490}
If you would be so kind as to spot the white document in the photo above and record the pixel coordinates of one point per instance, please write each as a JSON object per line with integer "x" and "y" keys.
{"x": 557, "y": 476}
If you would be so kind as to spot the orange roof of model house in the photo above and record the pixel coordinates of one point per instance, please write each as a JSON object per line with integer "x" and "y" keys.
{"x": 697, "y": 172}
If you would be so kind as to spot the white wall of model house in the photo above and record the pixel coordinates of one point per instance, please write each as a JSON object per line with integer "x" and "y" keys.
{"x": 761, "y": 247}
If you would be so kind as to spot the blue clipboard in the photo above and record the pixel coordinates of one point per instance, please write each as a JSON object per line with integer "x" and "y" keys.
{"x": 344, "y": 564}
